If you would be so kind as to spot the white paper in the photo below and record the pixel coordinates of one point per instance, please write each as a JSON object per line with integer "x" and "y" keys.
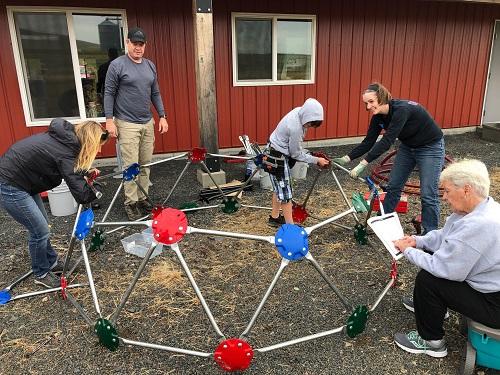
{"x": 388, "y": 228}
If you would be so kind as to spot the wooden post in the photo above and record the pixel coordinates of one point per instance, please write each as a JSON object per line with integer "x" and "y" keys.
{"x": 205, "y": 74}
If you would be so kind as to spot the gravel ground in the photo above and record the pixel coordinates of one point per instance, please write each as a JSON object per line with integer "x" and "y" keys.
{"x": 45, "y": 334}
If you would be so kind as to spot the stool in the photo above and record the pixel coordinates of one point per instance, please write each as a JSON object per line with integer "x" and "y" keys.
{"x": 482, "y": 348}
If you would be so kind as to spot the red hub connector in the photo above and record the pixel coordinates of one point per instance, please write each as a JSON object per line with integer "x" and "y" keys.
{"x": 233, "y": 355}
{"x": 169, "y": 225}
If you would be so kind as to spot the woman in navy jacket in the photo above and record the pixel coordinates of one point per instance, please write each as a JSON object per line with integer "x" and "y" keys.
{"x": 39, "y": 163}
{"x": 422, "y": 146}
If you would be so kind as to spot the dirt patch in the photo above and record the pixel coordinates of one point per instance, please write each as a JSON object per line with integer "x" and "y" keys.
{"x": 46, "y": 334}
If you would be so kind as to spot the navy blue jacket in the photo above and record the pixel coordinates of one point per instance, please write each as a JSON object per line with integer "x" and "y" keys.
{"x": 406, "y": 120}
{"x": 40, "y": 162}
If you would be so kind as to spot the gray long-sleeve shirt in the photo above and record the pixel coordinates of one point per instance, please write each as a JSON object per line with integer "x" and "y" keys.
{"x": 288, "y": 136}
{"x": 467, "y": 248}
{"x": 130, "y": 89}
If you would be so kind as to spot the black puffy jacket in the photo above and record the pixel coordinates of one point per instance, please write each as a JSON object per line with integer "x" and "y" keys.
{"x": 40, "y": 162}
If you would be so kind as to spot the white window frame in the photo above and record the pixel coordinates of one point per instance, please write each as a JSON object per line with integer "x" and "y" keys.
{"x": 274, "y": 17}
{"x": 19, "y": 61}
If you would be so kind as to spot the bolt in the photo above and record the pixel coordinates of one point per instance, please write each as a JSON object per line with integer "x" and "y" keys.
{"x": 355, "y": 314}
{"x": 108, "y": 327}
{"x": 280, "y": 240}
{"x": 181, "y": 228}
{"x": 219, "y": 358}
{"x": 170, "y": 238}
{"x": 157, "y": 234}
{"x": 249, "y": 354}
{"x": 289, "y": 253}
{"x": 240, "y": 344}
{"x": 302, "y": 232}
{"x": 225, "y": 346}
{"x": 114, "y": 340}
{"x": 303, "y": 249}
{"x": 156, "y": 221}
{"x": 95, "y": 330}
{"x": 88, "y": 223}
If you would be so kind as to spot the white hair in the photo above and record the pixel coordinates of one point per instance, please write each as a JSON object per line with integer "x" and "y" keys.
{"x": 468, "y": 172}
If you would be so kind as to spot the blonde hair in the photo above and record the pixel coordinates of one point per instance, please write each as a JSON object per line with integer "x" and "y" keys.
{"x": 468, "y": 172}
{"x": 89, "y": 134}
{"x": 383, "y": 95}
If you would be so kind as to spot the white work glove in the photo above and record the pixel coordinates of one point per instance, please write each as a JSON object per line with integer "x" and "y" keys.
{"x": 342, "y": 161}
{"x": 357, "y": 170}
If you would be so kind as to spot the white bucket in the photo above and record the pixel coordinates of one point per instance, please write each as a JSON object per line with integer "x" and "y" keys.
{"x": 265, "y": 181}
{"x": 61, "y": 201}
{"x": 299, "y": 170}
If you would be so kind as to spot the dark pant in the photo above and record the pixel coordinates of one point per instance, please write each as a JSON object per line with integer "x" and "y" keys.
{"x": 432, "y": 296}
{"x": 28, "y": 210}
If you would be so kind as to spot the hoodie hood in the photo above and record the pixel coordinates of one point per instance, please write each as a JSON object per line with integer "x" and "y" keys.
{"x": 311, "y": 110}
{"x": 64, "y": 132}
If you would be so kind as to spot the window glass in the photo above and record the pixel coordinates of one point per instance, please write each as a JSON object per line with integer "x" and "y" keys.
{"x": 254, "y": 49}
{"x": 47, "y": 66}
{"x": 99, "y": 40}
{"x": 294, "y": 46}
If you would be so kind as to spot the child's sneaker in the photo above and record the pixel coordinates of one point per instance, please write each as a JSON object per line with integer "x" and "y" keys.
{"x": 276, "y": 222}
{"x": 413, "y": 343}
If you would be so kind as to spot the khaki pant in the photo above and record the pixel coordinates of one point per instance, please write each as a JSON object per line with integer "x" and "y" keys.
{"x": 136, "y": 146}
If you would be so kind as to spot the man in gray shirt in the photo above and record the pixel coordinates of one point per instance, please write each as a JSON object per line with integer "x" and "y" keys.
{"x": 131, "y": 86}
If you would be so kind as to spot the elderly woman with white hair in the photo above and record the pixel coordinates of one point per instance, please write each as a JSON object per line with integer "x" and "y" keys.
{"x": 460, "y": 264}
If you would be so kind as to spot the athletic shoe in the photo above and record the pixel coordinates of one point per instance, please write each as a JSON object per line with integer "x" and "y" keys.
{"x": 408, "y": 303}
{"x": 276, "y": 222}
{"x": 413, "y": 343}
{"x": 49, "y": 280}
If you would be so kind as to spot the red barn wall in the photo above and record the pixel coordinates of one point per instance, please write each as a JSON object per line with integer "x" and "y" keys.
{"x": 434, "y": 53}
{"x": 169, "y": 27}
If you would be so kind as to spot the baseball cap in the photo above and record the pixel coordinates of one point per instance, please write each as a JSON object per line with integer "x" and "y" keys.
{"x": 136, "y": 34}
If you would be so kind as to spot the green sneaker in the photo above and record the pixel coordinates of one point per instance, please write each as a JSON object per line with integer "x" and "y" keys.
{"x": 413, "y": 343}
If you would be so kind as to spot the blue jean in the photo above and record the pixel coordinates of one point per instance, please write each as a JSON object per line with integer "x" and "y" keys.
{"x": 29, "y": 211}
{"x": 430, "y": 160}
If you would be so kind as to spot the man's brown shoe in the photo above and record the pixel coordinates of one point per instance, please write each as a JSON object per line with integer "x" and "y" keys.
{"x": 132, "y": 212}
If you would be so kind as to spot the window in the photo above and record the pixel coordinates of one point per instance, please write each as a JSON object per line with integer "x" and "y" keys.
{"x": 273, "y": 49}
{"x": 62, "y": 58}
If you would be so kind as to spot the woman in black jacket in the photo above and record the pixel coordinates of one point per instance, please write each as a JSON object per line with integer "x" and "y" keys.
{"x": 39, "y": 163}
{"x": 422, "y": 146}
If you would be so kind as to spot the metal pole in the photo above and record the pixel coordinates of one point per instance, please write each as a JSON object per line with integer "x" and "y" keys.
{"x": 231, "y": 156}
{"x": 199, "y": 208}
{"x": 327, "y": 221}
{"x": 384, "y": 292}
{"x": 143, "y": 191}
{"x": 344, "y": 196}
{"x": 166, "y": 348}
{"x": 284, "y": 263}
{"x": 176, "y": 182}
{"x": 45, "y": 291}
{"x": 123, "y": 225}
{"x": 79, "y": 308}
{"x": 346, "y": 170}
{"x": 302, "y": 339}
{"x": 258, "y": 207}
{"x": 113, "y": 201}
{"x": 90, "y": 279}
{"x": 18, "y": 280}
{"x": 311, "y": 188}
{"x": 269, "y": 239}
{"x": 130, "y": 288}
{"x": 175, "y": 247}
{"x": 224, "y": 198}
{"x": 345, "y": 302}
{"x": 72, "y": 240}
{"x": 164, "y": 160}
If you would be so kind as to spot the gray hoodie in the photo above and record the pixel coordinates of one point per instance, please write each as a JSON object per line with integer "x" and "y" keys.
{"x": 467, "y": 248}
{"x": 288, "y": 136}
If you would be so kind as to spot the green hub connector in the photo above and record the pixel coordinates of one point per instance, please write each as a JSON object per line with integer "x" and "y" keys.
{"x": 231, "y": 205}
{"x": 97, "y": 241}
{"x": 360, "y": 234}
{"x": 357, "y": 321}
{"x": 108, "y": 336}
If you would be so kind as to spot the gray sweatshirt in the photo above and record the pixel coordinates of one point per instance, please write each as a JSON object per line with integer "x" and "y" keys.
{"x": 467, "y": 248}
{"x": 288, "y": 136}
{"x": 130, "y": 89}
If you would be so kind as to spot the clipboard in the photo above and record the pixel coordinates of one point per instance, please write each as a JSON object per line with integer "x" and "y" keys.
{"x": 388, "y": 228}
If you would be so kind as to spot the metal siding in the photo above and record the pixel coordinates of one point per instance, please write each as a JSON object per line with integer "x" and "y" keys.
{"x": 170, "y": 47}
{"x": 434, "y": 53}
